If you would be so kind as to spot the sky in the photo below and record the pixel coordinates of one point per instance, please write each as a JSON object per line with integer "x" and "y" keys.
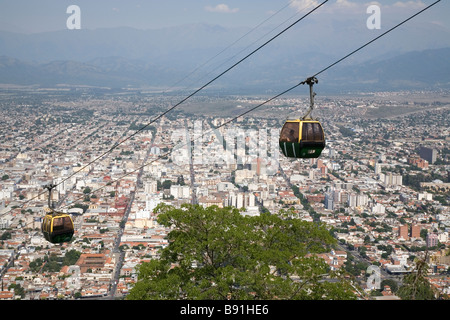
{"x": 31, "y": 16}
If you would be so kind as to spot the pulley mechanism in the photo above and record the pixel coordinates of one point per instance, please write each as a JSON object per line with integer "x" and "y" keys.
{"x": 50, "y": 187}
{"x": 310, "y": 81}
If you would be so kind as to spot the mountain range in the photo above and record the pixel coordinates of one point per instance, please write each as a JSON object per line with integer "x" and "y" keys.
{"x": 160, "y": 58}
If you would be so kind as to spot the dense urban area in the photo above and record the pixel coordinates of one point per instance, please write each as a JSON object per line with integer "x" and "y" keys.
{"x": 381, "y": 184}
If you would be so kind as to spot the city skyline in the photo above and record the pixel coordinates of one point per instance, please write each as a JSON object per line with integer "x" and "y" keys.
{"x": 362, "y": 186}
{"x": 86, "y": 105}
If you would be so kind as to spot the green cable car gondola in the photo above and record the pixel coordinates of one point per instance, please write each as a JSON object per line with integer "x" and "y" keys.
{"x": 303, "y": 138}
{"x": 57, "y": 227}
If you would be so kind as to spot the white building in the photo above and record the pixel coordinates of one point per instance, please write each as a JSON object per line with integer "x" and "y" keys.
{"x": 425, "y": 196}
{"x": 241, "y": 175}
{"x": 378, "y": 209}
{"x": 151, "y": 187}
{"x": 240, "y": 200}
{"x": 362, "y": 200}
{"x": 443, "y": 237}
{"x": 180, "y": 192}
{"x": 391, "y": 179}
{"x": 151, "y": 203}
{"x": 377, "y": 168}
{"x": 225, "y": 186}
{"x": 352, "y": 200}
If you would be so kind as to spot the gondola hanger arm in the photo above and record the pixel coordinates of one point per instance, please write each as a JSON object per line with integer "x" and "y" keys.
{"x": 310, "y": 81}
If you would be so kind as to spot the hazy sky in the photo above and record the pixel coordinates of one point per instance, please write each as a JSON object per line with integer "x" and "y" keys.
{"x": 30, "y": 16}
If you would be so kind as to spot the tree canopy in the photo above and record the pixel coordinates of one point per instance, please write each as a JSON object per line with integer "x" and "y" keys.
{"x": 218, "y": 253}
{"x": 415, "y": 285}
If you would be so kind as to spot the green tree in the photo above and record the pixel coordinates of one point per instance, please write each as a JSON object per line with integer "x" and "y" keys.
{"x": 5, "y": 235}
{"x": 35, "y": 265}
{"x": 18, "y": 290}
{"x": 71, "y": 257}
{"x": 423, "y": 233}
{"x": 87, "y": 190}
{"x": 180, "y": 180}
{"x": 415, "y": 285}
{"x": 166, "y": 184}
{"x": 217, "y": 253}
{"x": 346, "y": 132}
{"x": 375, "y": 293}
{"x": 391, "y": 283}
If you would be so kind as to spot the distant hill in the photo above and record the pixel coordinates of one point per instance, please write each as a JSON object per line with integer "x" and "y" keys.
{"x": 414, "y": 70}
{"x": 101, "y": 72}
{"x": 426, "y": 69}
{"x": 127, "y": 57}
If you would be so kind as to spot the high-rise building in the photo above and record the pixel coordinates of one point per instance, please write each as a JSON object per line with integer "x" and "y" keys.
{"x": 391, "y": 179}
{"x": 377, "y": 168}
{"x": 432, "y": 240}
{"x": 151, "y": 187}
{"x": 319, "y": 163}
{"x": 180, "y": 192}
{"x": 428, "y": 154}
{"x": 344, "y": 197}
{"x": 5, "y": 223}
{"x": 250, "y": 200}
{"x": 415, "y": 231}
{"x": 332, "y": 153}
{"x": 397, "y": 180}
{"x": 337, "y": 196}
{"x": 378, "y": 209}
{"x": 352, "y": 200}
{"x": 403, "y": 232}
{"x": 362, "y": 200}
{"x": 329, "y": 203}
{"x": 240, "y": 200}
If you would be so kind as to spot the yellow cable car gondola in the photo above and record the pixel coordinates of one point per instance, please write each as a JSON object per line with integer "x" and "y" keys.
{"x": 57, "y": 227}
{"x": 303, "y": 138}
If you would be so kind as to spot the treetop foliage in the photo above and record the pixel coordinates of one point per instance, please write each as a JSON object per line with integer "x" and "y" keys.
{"x": 218, "y": 253}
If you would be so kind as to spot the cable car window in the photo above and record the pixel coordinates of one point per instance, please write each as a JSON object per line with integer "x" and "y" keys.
{"x": 67, "y": 223}
{"x": 307, "y": 131}
{"x": 312, "y": 132}
{"x": 289, "y": 133}
{"x": 318, "y": 133}
{"x": 58, "y": 224}
{"x": 46, "y": 224}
